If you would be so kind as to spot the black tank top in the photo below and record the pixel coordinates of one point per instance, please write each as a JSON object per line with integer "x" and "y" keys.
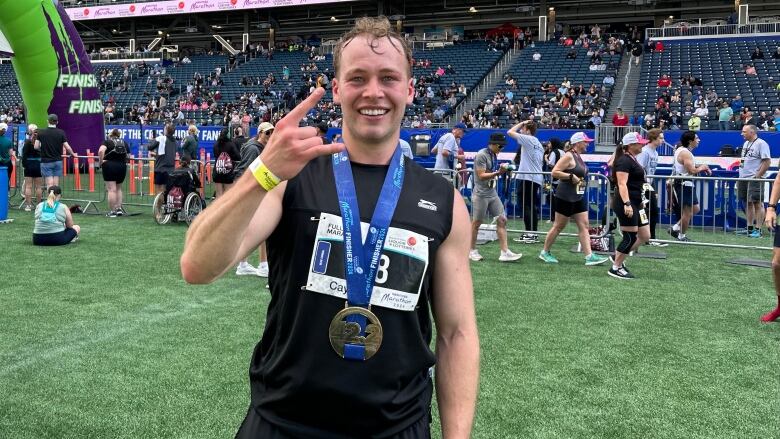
{"x": 297, "y": 380}
{"x": 567, "y": 190}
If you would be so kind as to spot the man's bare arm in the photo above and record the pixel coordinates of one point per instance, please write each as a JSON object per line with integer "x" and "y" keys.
{"x": 215, "y": 238}
{"x": 457, "y": 341}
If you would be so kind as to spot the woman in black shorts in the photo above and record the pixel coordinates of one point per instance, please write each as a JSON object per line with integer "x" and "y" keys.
{"x": 31, "y": 160}
{"x": 630, "y": 204}
{"x": 113, "y": 154}
{"x": 572, "y": 174}
{"x": 226, "y": 157}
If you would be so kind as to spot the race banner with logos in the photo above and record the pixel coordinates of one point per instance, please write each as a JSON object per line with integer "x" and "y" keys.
{"x": 129, "y": 10}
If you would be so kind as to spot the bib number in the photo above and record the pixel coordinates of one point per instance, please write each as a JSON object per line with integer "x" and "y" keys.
{"x": 400, "y": 272}
{"x": 643, "y": 217}
{"x": 581, "y": 185}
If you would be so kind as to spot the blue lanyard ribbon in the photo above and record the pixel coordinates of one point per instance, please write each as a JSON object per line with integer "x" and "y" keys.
{"x": 361, "y": 260}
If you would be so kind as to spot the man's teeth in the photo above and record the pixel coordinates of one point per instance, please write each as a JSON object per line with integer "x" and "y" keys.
{"x": 371, "y": 112}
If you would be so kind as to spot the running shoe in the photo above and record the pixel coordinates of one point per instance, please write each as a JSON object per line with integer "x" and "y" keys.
{"x": 595, "y": 259}
{"x": 755, "y": 234}
{"x": 262, "y": 270}
{"x": 657, "y": 244}
{"x": 508, "y": 256}
{"x": 620, "y": 273}
{"x": 27, "y": 208}
{"x": 684, "y": 239}
{"x": 245, "y": 269}
{"x": 530, "y": 238}
{"x": 548, "y": 257}
{"x": 612, "y": 260}
{"x": 475, "y": 256}
{"x": 111, "y": 214}
{"x": 674, "y": 233}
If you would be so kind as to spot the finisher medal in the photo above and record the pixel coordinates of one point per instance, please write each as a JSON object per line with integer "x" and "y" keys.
{"x": 344, "y": 334}
{"x": 355, "y": 332}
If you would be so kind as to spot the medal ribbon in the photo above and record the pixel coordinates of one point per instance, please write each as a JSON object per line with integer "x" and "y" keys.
{"x": 361, "y": 260}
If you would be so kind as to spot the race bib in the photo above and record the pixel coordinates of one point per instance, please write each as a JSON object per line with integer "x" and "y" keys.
{"x": 643, "y": 217}
{"x": 581, "y": 186}
{"x": 399, "y": 278}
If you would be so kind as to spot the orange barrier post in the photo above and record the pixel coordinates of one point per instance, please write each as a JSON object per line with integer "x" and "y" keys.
{"x": 76, "y": 174}
{"x": 132, "y": 175}
{"x": 208, "y": 168}
{"x": 91, "y": 170}
{"x": 151, "y": 176}
{"x": 202, "y": 173}
{"x": 14, "y": 161}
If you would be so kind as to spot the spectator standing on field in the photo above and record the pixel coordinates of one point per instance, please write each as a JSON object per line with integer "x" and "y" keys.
{"x": 529, "y": 161}
{"x": 755, "y": 162}
{"x": 113, "y": 155}
{"x": 248, "y": 153}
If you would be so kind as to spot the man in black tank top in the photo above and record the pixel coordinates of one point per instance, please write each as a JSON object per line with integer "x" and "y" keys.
{"x": 323, "y": 370}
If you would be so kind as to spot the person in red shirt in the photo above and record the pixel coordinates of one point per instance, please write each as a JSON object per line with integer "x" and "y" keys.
{"x": 659, "y": 46}
{"x": 620, "y": 121}
{"x": 664, "y": 81}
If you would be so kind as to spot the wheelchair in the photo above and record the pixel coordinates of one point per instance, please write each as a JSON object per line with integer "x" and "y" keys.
{"x": 180, "y": 201}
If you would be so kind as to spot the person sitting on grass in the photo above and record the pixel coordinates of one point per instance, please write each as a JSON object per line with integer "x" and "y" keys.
{"x": 53, "y": 221}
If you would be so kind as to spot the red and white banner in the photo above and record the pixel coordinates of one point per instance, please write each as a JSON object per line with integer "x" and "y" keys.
{"x": 180, "y": 7}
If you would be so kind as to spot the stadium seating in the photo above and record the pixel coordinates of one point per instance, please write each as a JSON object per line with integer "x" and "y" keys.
{"x": 716, "y": 64}
{"x": 553, "y": 67}
{"x": 471, "y": 62}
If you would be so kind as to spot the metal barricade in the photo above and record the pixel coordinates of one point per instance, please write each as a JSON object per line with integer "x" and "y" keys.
{"x": 138, "y": 187}
{"x": 610, "y": 135}
{"x": 79, "y": 182}
{"x": 721, "y": 220}
{"x": 522, "y": 196}
{"x": 82, "y": 182}
{"x": 510, "y": 189}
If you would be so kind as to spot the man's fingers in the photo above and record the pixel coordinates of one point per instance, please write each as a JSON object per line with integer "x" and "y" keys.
{"x": 304, "y": 133}
{"x": 300, "y": 110}
{"x": 326, "y": 149}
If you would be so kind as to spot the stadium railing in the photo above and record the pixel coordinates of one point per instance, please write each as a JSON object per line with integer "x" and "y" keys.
{"x": 682, "y": 30}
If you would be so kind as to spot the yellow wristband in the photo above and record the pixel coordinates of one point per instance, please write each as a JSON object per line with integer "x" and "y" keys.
{"x": 263, "y": 175}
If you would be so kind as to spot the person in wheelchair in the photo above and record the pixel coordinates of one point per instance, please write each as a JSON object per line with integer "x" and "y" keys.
{"x": 180, "y": 200}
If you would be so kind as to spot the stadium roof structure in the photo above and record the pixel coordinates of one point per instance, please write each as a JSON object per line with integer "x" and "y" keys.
{"x": 330, "y": 18}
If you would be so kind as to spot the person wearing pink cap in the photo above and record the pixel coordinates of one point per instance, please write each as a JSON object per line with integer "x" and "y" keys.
{"x": 572, "y": 173}
{"x": 629, "y": 203}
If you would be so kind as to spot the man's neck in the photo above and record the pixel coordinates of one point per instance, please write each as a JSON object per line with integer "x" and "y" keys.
{"x": 370, "y": 154}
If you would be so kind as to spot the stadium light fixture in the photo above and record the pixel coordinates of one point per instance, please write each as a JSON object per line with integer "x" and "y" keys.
{"x": 333, "y": 18}
{"x": 473, "y": 10}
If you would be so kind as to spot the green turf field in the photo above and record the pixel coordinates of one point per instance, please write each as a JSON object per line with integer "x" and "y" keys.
{"x": 102, "y": 339}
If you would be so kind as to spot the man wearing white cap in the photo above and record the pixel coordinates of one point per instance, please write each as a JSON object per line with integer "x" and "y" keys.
{"x": 630, "y": 204}
{"x": 249, "y": 152}
{"x": 571, "y": 203}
